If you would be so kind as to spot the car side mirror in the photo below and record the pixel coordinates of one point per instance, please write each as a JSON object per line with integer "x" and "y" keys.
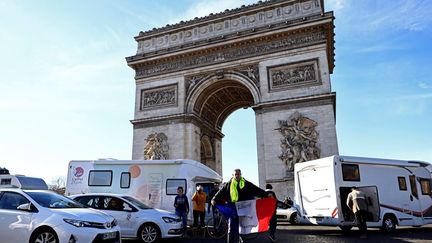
{"x": 25, "y": 207}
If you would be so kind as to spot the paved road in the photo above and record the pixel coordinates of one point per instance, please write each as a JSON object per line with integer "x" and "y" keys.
{"x": 305, "y": 234}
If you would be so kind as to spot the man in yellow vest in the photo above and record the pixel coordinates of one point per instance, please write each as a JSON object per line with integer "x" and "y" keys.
{"x": 235, "y": 190}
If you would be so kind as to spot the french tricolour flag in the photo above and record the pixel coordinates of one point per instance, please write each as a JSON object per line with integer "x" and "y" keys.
{"x": 255, "y": 215}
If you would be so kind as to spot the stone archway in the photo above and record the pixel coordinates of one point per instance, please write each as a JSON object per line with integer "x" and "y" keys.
{"x": 273, "y": 56}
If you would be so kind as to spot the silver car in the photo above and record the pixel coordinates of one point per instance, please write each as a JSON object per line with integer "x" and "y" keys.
{"x": 136, "y": 220}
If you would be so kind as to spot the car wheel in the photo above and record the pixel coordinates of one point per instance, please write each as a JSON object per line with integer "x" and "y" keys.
{"x": 149, "y": 233}
{"x": 293, "y": 219}
{"x": 389, "y": 224}
{"x": 44, "y": 236}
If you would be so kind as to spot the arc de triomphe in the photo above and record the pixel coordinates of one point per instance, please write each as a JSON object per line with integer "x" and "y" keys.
{"x": 274, "y": 56}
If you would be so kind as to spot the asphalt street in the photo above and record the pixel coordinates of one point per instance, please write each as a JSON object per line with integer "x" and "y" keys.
{"x": 306, "y": 233}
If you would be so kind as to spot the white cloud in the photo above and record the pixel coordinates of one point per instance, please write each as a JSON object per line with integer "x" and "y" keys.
{"x": 425, "y": 85}
{"x": 335, "y": 5}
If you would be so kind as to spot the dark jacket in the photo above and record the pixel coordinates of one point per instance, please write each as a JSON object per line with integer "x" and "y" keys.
{"x": 248, "y": 192}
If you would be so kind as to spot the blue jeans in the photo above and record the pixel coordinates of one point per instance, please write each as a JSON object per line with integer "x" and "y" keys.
{"x": 183, "y": 216}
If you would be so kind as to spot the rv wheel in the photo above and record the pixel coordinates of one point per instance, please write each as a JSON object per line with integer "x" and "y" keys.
{"x": 389, "y": 224}
{"x": 149, "y": 233}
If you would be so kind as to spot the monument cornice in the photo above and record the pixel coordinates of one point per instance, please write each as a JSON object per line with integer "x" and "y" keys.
{"x": 298, "y": 102}
{"x": 253, "y": 16}
{"x": 315, "y": 19}
{"x": 262, "y": 45}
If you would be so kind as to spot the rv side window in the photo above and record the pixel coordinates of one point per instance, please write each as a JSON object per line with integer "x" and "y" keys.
{"x": 6, "y": 181}
{"x": 125, "y": 180}
{"x": 425, "y": 186}
{"x": 173, "y": 184}
{"x": 413, "y": 186}
{"x": 350, "y": 172}
{"x": 402, "y": 183}
{"x": 100, "y": 178}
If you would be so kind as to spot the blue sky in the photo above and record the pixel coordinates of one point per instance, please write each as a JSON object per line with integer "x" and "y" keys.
{"x": 66, "y": 92}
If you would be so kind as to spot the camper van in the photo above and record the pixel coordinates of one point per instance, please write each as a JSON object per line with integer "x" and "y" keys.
{"x": 21, "y": 181}
{"x": 154, "y": 182}
{"x": 398, "y": 192}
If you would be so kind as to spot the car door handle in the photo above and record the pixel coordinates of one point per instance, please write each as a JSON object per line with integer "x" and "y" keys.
{"x": 411, "y": 198}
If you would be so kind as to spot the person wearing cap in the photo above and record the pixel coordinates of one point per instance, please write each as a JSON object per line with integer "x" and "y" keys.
{"x": 199, "y": 200}
{"x": 356, "y": 202}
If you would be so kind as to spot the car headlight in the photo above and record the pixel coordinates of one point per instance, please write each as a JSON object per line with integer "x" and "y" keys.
{"x": 171, "y": 220}
{"x": 81, "y": 223}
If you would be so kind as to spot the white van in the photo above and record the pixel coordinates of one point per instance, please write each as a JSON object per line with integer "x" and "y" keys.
{"x": 398, "y": 192}
{"x": 23, "y": 182}
{"x": 154, "y": 182}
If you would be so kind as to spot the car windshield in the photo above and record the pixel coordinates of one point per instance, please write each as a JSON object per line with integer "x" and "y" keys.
{"x": 136, "y": 202}
{"x": 53, "y": 200}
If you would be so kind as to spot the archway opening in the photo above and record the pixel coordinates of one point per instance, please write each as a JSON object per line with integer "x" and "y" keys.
{"x": 239, "y": 146}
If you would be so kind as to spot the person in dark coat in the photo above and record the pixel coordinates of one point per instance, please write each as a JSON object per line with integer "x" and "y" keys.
{"x": 235, "y": 190}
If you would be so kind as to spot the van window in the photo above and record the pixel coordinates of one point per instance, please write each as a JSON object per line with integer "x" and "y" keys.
{"x": 413, "y": 186}
{"x": 173, "y": 184}
{"x": 6, "y": 181}
{"x": 402, "y": 183}
{"x": 32, "y": 183}
{"x": 425, "y": 186}
{"x": 350, "y": 172}
{"x": 125, "y": 180}
{"x": 100, "y": 178}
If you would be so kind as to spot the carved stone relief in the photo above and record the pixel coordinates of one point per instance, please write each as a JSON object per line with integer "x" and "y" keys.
{"x": 156, "y": 147}
{"x": 293, "y": 75}
{"x": 299, "y": 143}
{"x": 250, "y": 71}
{"x": 158, "y": 97}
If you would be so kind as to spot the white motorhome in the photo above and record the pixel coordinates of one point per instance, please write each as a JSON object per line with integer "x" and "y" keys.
{"x": 23, "y": 182}
{"x": 154, "y": 182}
{"x": 398, "y": 192}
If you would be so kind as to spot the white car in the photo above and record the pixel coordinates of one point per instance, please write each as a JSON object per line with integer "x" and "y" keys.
{"x": 136, "y": 220}
{"x": 285, "y": 212}
{"x": 44, "y": 216}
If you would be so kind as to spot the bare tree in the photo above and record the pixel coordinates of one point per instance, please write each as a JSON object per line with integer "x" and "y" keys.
{"x": 58, "y": 185}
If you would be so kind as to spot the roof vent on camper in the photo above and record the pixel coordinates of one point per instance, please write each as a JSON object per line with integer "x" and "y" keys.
{"x": 4, "y": 171}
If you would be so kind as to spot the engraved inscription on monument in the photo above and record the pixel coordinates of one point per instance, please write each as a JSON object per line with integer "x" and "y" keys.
{"x": 158, "y": 97}
{"x": 294, "y": 75}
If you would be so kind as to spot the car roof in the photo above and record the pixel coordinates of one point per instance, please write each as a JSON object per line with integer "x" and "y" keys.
{"x": 99, "y": 194}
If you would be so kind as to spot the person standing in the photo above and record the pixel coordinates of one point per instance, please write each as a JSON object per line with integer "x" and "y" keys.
{"x": 273, "y": 220}
{"x": 181, "y": 206}
{"x": 199, "y": 199}
{"x": 235, "y": 190}
{"x": 211, "y": 195}
{"x": 356, "y": 202}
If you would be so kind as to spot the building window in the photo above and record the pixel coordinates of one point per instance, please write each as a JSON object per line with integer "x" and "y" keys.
{"x": 402, "y": 183}
{"x": 100, "y": 178}
{"x": 125, "y": 180}
{"x": 350, "y": 172}
{"x": 173, "y": 184}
